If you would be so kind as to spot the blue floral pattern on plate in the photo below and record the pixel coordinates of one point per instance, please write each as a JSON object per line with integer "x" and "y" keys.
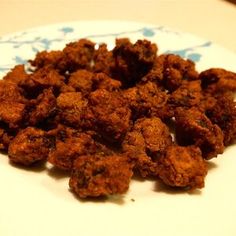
{"x": 51, "y": 37}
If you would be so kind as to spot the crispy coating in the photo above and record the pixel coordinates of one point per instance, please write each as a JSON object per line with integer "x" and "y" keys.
{"x": 176, "y": 70}
{"x": 182, "y": 167}
{"x": 156, "y": 135}
{"x": 12, "y": 103}
{"x": 193, "y": 127}
{"x": 103, "y": 81}
{"x": 145, "y": 143}
{"x": 82, "y": 81}
{"x": 108, "y": 114}
{"x": 52, "y": 59}
{"x": 12, "y": 113}
{"x": 216, "y": 80}
{"x": 29, "y": 146}
{"x": 134, "y": 147}
{"x": 76, "y": 55}
{"x": 16, "y": 75}
{"x": 79, "y": 55}
{"x": 70, "y": 145}
{"x": 95, "y": 176}
{"x": 9, "y": 91}
{"x": 156, "y": 72}
{"x": 133, "y": 61}
{"x": 43, "y": 107}
{"x": 149, "y": 100}
{"x": 85, "y": 82}
{"x": 187, "y": 95}
{"x": 71, "y": 108}
{"x": 42, "y": 79}
{"x": 223, "y": 113}
{"x": 103, "y": 60}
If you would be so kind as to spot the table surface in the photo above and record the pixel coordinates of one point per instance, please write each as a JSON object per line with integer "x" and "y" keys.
{"x": 214, "y": 20}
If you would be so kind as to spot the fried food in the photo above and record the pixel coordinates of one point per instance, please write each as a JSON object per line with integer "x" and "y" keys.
{"x": 148, "y": 100}
{"x": 182, "y": 167}
{"x": 108, "y": 114}
{"x": 176, "y": 70}
{"x": 29, "y": 146}
{"x": 43, "y": 107}
{"x": 194, "y": 128}
{"x": 216, "y": 80}
{"x": 223, "y": 113}
{"x": 71, "y": 144}
{"x": 71, "y": 108}
{"x": 145, "y": 143}
{"x": 105, "y": 115}
{"x": 96, "y": 176}
{"x": 133, "y": 61}
{"x": 188, "y": 94}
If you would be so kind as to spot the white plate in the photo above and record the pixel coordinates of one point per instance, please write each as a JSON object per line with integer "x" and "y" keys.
{"x": 38, "y": 202}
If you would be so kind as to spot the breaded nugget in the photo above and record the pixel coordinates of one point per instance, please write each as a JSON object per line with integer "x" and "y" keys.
{"x": 176, "y": 70}
{"x": 16, "y": 74}
{"x": 145, "y": 143}
{"x": 12, "y": 113}
{"x": 70, "y": 145}
{"x": 95, "y": 176}
{"x": 108, "y": 114}
{"x": 78, "y": 55}
{"x": 51, "y": 59}
{"x": 81, "y": 81}
{"x": 216, "y": 80}
{"x": 133, "y": 61}
{"x": 135, "y": 148}
{"x": 71, "y": 108}
{"x": 223, "y": 113}
{"x": 85, "y": 82}
{"x": 103, "y": 60}
{"x": 29, "y": 146}
{"x": 188, "y": 94}
{"x": 43, "y": 107}
{"x": 194, "y": 128}
{"x": 149, "y": 100}
{"x": 9, "y": 91}
{"x": 156, "y": 135}
{"x": 42, "y": 79}
{"x": 182, "y": 167}
{"x": 103, "y": 81}
{"x": 156, "y": 72}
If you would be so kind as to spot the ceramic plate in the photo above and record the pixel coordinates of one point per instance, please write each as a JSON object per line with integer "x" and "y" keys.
{"x": 38, "y": 202}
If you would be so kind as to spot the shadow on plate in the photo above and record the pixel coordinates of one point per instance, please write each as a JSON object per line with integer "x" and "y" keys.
{"x": 115, "y": 199}
{"x": 211, "y": 165}
{"x": 161, "y": 187}
{"x": 57, "y": 174}
{"x": 36, "y": 167}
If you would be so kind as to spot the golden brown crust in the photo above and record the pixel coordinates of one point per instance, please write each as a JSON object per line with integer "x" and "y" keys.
{"x": 194, "y": 128}
{"x": 145, "y": 143}
{"x": 216, "y": 80}
{"x": 95, "y": 176}
{"x": 182, "y": 167}
{"x": 30, "y": 145}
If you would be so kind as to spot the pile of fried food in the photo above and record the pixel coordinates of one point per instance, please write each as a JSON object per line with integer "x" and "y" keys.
{"x": 105, "y": 115}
